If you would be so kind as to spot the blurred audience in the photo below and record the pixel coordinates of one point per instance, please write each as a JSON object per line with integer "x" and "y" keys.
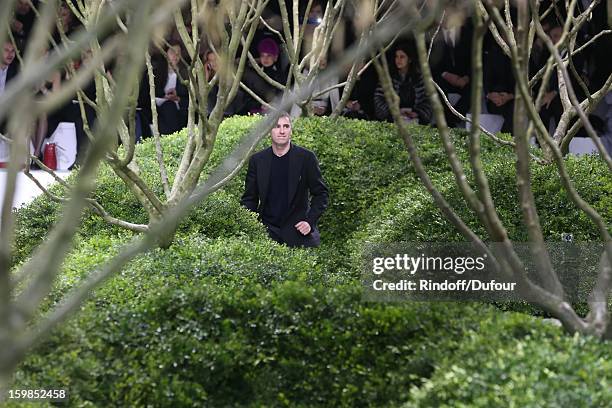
{"x": 450, "y": 62}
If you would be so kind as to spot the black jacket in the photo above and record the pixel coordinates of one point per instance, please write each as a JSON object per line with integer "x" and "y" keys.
{"x": 12, "y": 71}
{"x": 455, "y": 59}
{"x": 304, "y": 179}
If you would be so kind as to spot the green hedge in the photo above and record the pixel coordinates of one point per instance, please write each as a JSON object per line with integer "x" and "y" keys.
{"x": 226, "y": 317}
{"x": 365, "y": 163}
{"x": 513, "y": 361}
{"x": 226, "y": 322}
{"x": 411, "y": 215}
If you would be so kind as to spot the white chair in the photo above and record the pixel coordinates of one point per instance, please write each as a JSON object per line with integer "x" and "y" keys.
{"x": 582, "y": 145}
{"x": 64, "y": 138}
{"x": 491, "y": 123}
{"x": 4, "y": 151}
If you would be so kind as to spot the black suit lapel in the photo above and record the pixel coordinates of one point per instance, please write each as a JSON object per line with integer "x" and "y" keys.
{"x": 295, "y": 171}
{"x": 11, "y": 72}
{"x": 263, "y": 175}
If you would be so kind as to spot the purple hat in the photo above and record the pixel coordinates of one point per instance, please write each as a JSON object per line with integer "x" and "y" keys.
{"x": 269, "y": 46}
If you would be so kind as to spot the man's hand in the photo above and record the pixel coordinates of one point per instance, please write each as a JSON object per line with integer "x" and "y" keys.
{"x": 408, "y": 113}
{"x": 455, "y": 80}
{"x": 353, "y": 106}
{"x": 319, "y": 110}
{"x": 450, "y": 78}
{"x": 463, "y": 81}
{"x": 303, "y": 227}
{"x": 172, "y": 96}
{"x": 500, "y": 98}
{"x": 548, "y": 98}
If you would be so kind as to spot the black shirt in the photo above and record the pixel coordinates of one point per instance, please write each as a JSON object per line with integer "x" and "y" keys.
{"x": 277, "y": 198}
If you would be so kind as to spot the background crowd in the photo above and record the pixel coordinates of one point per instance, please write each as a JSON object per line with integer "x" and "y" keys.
{"x": 450, "y": 62}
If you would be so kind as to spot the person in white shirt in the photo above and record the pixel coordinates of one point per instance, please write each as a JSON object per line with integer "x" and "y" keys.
{"x": 171, "y": 96}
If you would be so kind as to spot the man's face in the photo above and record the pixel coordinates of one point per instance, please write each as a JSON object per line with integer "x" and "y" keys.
{"x": 8, "y": 54}
{"x": 316, "y": 12}
{"x": 86, "y": 57}
{"x": 281, "y": 133}
{"x": 22, "y": 7}
{"x": 323, "y": 63}
{"x": 401, "y": 60}
{"x": 174, "y": 55}
{"x": 267, "y": 60}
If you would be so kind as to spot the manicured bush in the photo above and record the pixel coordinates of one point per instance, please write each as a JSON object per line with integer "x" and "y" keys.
{"x": 226, "y": 317}
{"x": 411, "y": 214}
{"x": 512, "y": 360}
{"x": 227, "y": 322}
{"x": 364, "y": 163}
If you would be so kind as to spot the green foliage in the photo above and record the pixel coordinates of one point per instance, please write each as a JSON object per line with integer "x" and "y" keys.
{"x": 226, "y": 317}
{"x": 513, "y": 361}
{"x": 411, "y": 214}
{"x": 228, "y": 322}
{"x": 32, "y": 222}
{"x": 366, "y": 164}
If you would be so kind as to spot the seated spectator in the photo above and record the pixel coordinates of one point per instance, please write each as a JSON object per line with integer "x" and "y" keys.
{"x": 314, "y": 19}
{"x": 237, "y": 105}
{"x": 71, "y": 111}
{"x": 68, "y": 23}
{"x": 498, "y": 83}
{"x": 408, "y": 85}
{"x": 8, "y": 70}
{"x": 268, "y": 57}
{"x": 210, "y": 64}
{"x": 325, "y": 103}
{"x": 360, "y": 103}
{"x": 451, "y": 65}
{"x": 210, "y": 68}
{"x": 274, "y": 21}
{"x": 51, "y": 84}
{"x": 551, "y": 108}
{"x": 171, "y": 95}
{"x": 24, "y": 20}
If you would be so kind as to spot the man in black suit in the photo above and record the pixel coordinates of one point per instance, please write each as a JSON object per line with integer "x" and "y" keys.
{"x": 8, "y": 70}
{"x": 8, "y": 65}
{"x": 498, "y": 82}
{"x": 278, "y": 183}
{"x": 451, "y": 65}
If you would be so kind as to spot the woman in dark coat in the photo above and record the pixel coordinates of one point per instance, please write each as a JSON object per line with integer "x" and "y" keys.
{"x": 408, "y": 84}
{"x": 268, "y": 61}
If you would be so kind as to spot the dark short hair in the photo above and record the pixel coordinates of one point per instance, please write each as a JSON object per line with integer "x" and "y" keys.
{"x": 283, "y": 114}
